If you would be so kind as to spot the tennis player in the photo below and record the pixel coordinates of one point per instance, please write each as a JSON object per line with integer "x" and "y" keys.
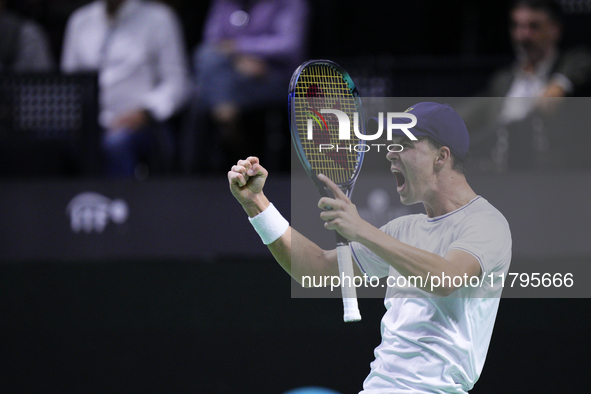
{"x": 434, "y": 338}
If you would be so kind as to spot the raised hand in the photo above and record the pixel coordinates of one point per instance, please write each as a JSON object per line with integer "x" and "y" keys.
{"x": 340, "y": 213}
{"x": 246, "y": 180}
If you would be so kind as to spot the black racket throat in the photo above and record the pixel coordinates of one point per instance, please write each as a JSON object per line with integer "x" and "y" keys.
{"x": 341, "y": 241}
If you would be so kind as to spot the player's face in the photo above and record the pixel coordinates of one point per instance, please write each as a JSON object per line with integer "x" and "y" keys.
{"x": 414, "y": 169}
{"x": 533, "y": 33}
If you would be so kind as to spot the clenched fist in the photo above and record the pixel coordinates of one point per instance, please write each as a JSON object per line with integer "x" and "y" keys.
{"x": 246, "y": 180}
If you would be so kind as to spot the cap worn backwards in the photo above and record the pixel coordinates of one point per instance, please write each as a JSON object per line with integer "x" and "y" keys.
{"x": 440, "y": 122}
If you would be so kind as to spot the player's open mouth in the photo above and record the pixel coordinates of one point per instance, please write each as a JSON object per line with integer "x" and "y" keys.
{"x": 400, "y": 180}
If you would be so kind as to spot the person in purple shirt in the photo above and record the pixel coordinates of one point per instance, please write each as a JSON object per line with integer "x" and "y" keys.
{"x": 245, "y": 61}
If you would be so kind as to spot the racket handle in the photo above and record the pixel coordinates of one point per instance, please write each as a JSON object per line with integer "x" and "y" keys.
{"x": 347, "y": 276}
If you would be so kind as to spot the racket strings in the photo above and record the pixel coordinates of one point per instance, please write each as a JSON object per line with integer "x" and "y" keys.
{"x": 323, "y": 87}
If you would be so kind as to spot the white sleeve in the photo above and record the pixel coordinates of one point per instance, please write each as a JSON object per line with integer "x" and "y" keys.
{"x": 68, "y": 62}
{"x": 488, "y": 238}
{"x": 171, "y": 91}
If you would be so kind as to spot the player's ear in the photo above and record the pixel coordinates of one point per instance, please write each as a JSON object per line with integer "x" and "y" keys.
{"x": 443, "y": 156}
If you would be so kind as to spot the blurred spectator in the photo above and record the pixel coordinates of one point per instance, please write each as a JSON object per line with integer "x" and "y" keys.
{"x": 24, "y": 45}
{"x": 541, "y": 69}
{"x": 541, "y": 74}
{"x": 137, "y": 47}
{"x": 248, "y": 53}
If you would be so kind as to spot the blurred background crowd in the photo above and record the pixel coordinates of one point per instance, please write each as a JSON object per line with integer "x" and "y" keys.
{"x": 135, "y": 89}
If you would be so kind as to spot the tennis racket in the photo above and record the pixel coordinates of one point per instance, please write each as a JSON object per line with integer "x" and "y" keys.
{"x": 317, "y": 88}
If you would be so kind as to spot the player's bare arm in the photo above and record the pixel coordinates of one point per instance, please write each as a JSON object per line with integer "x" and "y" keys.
{"x": 295, "y": 253}
{"x": 341, "y": 215}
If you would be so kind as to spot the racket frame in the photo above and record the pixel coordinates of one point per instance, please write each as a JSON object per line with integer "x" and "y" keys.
{"x": 351, "y": 309}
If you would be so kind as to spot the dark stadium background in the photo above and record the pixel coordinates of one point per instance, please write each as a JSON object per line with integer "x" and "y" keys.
{"x": 226, "y": 323}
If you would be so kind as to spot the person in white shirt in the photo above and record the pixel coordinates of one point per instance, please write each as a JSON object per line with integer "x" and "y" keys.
{"x": 138, "y": 49}
{"x": 541, "y": 70}
{"x": 434, "y": 338}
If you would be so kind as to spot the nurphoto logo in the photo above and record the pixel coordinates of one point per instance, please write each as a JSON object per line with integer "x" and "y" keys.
{"x": 345, "y": 129}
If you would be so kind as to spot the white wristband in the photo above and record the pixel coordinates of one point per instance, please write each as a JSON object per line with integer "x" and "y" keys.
{"x": 269, "y": 224}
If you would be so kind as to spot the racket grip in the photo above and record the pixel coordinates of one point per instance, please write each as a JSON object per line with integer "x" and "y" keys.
{"x": 347, "y": 277}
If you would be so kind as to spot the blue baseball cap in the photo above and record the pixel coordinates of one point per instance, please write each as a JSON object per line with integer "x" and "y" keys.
{"x": 438, "y": 121}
